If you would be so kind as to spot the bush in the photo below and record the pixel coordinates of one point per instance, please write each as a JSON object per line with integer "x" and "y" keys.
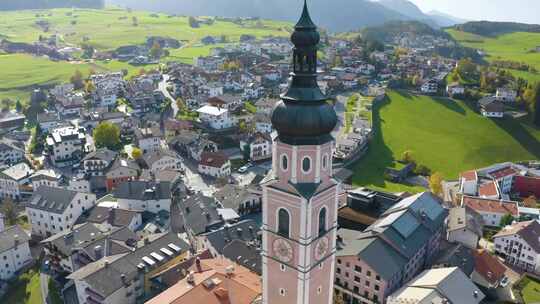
{"x": 422, "y": 170}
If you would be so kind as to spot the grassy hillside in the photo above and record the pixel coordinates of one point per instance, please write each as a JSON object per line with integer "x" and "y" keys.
{"x": 106, "y": 30}
{"x": 513, "y": 46}
{"x": 445, "y": 135}
{"x": 111, "y": 28}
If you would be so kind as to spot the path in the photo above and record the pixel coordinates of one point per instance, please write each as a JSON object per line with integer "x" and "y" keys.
{"x": 163, "y": 88}
{"x": 44, "y": 285}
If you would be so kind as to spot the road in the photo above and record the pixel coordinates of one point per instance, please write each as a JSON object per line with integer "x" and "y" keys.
{"x": 163, "y": 88}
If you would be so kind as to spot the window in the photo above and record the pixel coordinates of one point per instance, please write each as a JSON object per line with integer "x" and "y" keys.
{"x": 282, "y": 292}
{"x": 283, "y": 222}
{"x": 325, "y": 161}
{"x": 356, "y": 279}
{"x": 319, "y": 290}
{"x": 358, "y": 269}
{"x": 306, "y": 165}
{"x": 338, "y": 270}
{"x": 376, "y": 287}
{"x": 368, "y": 273}
{"x": 284, "y": 162}
{"x": 321, "y": 265}
{"x": 283, "y": 267}
{"x": 322, "y": 221}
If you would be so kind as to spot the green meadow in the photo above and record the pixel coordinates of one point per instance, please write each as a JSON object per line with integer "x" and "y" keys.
{"x": 445, "y": 135}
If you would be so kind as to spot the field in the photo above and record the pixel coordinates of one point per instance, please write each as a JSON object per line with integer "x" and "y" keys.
{"x": 105, "y": 30}
{"x": 529, "y": 289}
{"x": 445, "y": 135}
{"x": 25, "y": 290}
{"x": 514, "y": 47}
{"x": 110, "y": 28}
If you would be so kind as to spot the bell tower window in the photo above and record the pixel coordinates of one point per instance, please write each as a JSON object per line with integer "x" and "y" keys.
{"x": 322, "y": 221}
{"x": 306, "y": 165}
{"x": 283, "y": 223}
{"x": 284, "y": 162}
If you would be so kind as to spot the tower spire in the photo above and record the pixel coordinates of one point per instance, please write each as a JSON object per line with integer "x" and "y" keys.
{"x": 303, "y": 115}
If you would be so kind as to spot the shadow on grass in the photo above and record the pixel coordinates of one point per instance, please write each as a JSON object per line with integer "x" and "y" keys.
{"x": 450, "y": 105}
{"x": 17, "y": 291}
{"x": 515, "y": 128}
{"x": 370, "y": 169}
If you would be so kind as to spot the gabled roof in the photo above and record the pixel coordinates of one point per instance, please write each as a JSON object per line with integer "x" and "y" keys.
{"x": 17, "y": 172}
{"x": 213, "y": 159}
{"x": 488, "y": 189}
{"x": 103, "y": 154}
{"x": 199, "y": 213}
{"x": 528, "y": 231}
{"x": 464, "y": 218}
{"x": 50, "y": 199}
{"x": 152, "y": 157}
{"x": 12, "y": 235}
{"x": 143, "y": 190}
{"x": 113, "y": 216}
{"x": 488, "y": 266}
{"x": 489, "y": 205}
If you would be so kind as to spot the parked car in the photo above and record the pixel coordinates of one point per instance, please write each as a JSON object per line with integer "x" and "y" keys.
{"x": 244, "y": 168}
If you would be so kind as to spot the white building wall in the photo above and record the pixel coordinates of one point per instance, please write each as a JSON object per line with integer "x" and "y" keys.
{"x": 14, "y": 259}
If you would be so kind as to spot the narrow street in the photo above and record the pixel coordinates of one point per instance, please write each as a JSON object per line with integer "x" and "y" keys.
{"x": 163, "y": 88}
{"x": 44, "y": 284}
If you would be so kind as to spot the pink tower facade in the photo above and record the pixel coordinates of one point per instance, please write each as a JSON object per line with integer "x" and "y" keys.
{"x": 300, "y": 197}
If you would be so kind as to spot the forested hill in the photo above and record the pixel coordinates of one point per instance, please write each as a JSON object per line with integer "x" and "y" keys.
{"x": 391, "y": 29}
{"x": 488, "y": 28}
{"x": 7, "y": 5}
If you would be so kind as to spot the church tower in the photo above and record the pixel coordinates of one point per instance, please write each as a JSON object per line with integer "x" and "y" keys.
{"x": 300, "y": 198}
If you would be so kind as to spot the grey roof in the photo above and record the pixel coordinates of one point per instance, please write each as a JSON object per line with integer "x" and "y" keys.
{"x": 455, "y": 255}
{"x": 397, "y": 236}
{"x": 47, "y": 117}
{"x": 143, "y": 190}
{"x": 238, "y": 242}
{"x": 76, "y": 237}
{"x": 55, "y": 200}
{"x": 199, "y": 213}
{"x": 113, "y": 216}
{"x": 104, "y": 276}
{"x": 10, "y": 235}
{"x": 7, "y": 144}
{"x": 435, "y": 285}
{"x": 121, "y": 162}
{"x": 231, "y": 196}
{"x": 101, "y": 154}
{"x": 464, "y": 218}
{"x": 18, "y": 172}
{"x": 152, "y": 157}
{"x": 48, "y": 174}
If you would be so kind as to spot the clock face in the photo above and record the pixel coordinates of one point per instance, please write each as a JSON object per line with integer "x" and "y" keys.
{"x": 282, "y": 250}
{"x": 321, "y": 248}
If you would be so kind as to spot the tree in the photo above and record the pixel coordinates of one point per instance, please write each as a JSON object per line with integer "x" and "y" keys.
{"x": 435, "y": 183}
{"x": 107, "y": 135}
{"x": 530, "y": 202}
{"x": 8, "y": 210}
{"x": 407, "y": 156}
{"x": 506, "y": 220}
{"x": 18, "y": 106}
{"x": 247, "y": 152}
{"x": 7, "y": 104}
{"x": 338, "y": 298}
{"x": 156, "y": 51}
{"x": 466, "y": 69}
{"x": 193, "y": 22}
{"x": 77, "y": 80}
{"x": 136, "y": 153}
{"x": 89, "y": 87}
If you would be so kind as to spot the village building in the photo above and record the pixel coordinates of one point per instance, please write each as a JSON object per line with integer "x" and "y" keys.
{"x": 66, "y": 145}
{"x": 215, "y": 164}
{"x": 14, "y": 251}
{"x": 492, "y": 211}
{"x": 519, "y": 245}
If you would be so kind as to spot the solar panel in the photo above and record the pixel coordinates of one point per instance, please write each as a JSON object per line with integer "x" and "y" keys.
{"x": 174, "y": 247}
{"x": 148, "y": 261}
{"x": 157, "y": 256}
{"x": 166, "y": 251}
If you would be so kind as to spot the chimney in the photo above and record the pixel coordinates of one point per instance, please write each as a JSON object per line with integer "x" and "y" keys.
{"x": 16, "y": 240}
{"x": 98, "y": 252}
{"x": 146, "y": 241}
{"x": 123, "y": 278}
{"x": 191, "y": 278}
{"x": 110, "y": 218}
{"x": 475, "y": 294}
{"x": 222, "y": 293}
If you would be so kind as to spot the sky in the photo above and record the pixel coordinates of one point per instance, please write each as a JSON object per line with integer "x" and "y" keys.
{"x": 526, "y": 11}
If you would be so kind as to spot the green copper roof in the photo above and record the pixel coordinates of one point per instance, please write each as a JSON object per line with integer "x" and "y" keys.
{"x": 305, "y": 21}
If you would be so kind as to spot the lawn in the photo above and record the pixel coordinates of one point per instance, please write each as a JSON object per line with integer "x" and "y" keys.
{"x": 530, "y": 290}
{"x": 514, "y": 47}
{"x": 105, "y": 30}
{"x": 25, "y": 290}
{"x": 445, "y": 135}
{"x": 113, "y": 27}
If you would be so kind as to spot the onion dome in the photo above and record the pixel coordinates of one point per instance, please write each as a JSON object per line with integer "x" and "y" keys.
{"x": 304, "y": 116}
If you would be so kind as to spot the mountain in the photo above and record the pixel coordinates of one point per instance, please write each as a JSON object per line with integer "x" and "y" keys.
{"x": 405, "y": 7}
{"x": 335, "y": 15}
{"x": 44, "y": 4}
{"x": 387, "y": 32}
{"x": 445, "y": 20}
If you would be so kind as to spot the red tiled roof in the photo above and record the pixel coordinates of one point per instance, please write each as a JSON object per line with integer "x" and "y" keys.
{"x": 489, "y": 205}
{"x": 506, "y": 171}
{"x": 469, "y": 175}
{"x": 213, "y": 159}
{"x": 488, "y": 266}
{"x": 488, "y": 189}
